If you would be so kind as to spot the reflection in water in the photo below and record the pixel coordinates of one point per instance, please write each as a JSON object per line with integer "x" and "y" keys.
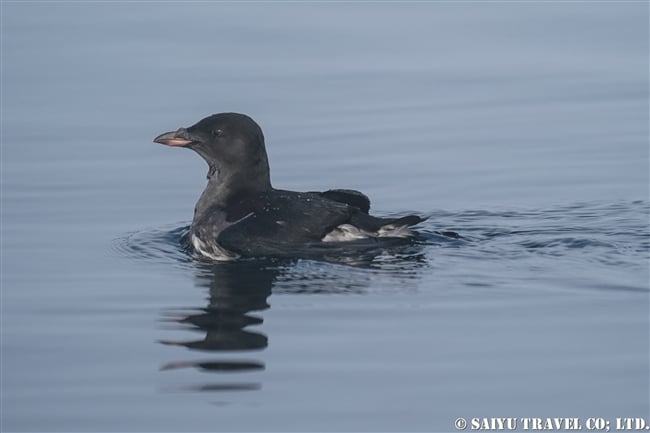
{"x": 238, "y": 291}
{"x": 235, "y": 290}
{"x": 217, "y": 365}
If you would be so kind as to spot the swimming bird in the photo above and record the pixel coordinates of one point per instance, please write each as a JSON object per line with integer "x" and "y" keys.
{"x": 239, "y": 214}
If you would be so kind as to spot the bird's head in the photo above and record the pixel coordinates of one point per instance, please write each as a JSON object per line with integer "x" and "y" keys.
{"x": 231, "y": 143}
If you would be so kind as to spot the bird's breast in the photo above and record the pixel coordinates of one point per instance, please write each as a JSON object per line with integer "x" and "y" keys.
{"x": 212, "y": 249}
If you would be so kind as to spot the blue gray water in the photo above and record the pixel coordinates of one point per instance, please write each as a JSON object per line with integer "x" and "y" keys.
{"x": 522, "y": 126}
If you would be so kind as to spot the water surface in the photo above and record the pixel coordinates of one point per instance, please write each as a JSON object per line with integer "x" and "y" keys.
{"x": 521, "y": 126}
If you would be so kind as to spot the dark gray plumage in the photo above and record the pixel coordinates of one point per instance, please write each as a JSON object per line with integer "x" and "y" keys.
{"x": 240, "y": 214}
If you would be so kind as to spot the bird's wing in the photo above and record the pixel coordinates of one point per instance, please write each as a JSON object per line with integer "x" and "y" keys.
{"x": 282, "y": 219}
{"x": 348, "y": 196}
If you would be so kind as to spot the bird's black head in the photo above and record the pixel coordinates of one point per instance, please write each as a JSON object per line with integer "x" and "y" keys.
{"x": 231, "y": 143}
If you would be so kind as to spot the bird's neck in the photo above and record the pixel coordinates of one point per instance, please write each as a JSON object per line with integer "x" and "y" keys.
{"x": 224, "y": 188}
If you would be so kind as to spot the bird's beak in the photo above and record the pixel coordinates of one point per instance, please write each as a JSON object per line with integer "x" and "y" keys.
{"x": 180, "y": 138}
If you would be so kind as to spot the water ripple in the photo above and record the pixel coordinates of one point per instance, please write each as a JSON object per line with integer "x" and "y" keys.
{"x": 614, "y": 235}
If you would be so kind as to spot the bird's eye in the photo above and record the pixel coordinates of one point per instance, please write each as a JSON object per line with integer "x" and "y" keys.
{"x": 217, "y": 132}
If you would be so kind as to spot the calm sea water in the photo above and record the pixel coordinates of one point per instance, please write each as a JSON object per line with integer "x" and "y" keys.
{"x": 522, "y": 126}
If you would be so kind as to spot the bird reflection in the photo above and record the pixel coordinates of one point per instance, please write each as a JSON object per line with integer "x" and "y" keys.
{"x": 228, "y": 323}
{"x": 238, "y": 292}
